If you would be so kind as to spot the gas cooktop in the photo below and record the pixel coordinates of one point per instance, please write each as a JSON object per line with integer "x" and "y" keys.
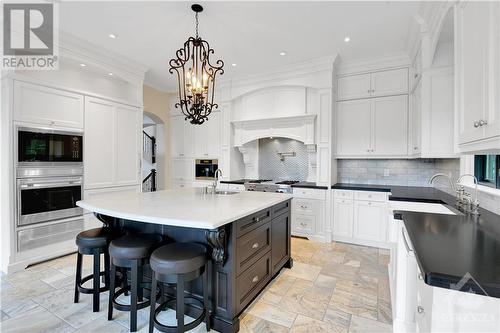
{"x": 283, "y": 186}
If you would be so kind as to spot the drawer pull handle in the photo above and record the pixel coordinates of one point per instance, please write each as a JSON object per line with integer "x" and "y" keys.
{"x": 255, "y": 279}
{"x": 255, "y": 245}
{"x": 256, "y": 219}
{"x": 420, "y": 309}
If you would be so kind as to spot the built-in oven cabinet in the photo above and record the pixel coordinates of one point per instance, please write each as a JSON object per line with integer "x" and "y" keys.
{"x": 112, "y": 144}
{"x": 46, "y": 106}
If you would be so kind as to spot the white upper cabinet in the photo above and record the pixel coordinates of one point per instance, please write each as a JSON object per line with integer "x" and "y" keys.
{"x": 415, "y": 146}
{"x": 386, "y": 83}
{"x": 354, "y": 86}
{"x": 354, "y": 128}
{"x": 376, "y": 127}
{"x": 381, "y": 83}
{"x": 477, "y": 49}
{"x": 112, "y": 144}
{"x": 207, "y": 137}
{"x": 47, "y": 106}
{"x": 181, "y": 138}
{"x": 390, "y": 126}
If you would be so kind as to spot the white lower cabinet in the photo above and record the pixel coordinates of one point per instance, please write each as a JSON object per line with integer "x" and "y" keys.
{"x": 308, "y": 213}
{"x": 370, "y": 221}
{"x": 360, "y": 217}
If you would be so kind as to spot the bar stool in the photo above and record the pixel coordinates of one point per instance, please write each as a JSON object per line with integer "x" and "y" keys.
{"x": 93, "y": 242}
{"x": 178, "y": 263}
{"x": 131, "y": 251}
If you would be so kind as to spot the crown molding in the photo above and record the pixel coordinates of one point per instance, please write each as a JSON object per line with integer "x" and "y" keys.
{"x": 283, "y": 73}
{"x": 80, "y": 50}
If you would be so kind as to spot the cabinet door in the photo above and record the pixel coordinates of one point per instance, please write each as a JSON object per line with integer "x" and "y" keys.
{"x": 370, "y": 221}
{"x": 280, "y": 236}
{"x": 472, "y": 67}
{"x": 128, "y": 134}
{"x": 42, "y": 105}
{"x": 182, "y": 170}
{"x": 391, "y": 82}
{"x": 353, "y": 128}
{"x": 354, "y": 86}
{"x": 99, "y": 143}
{"x": 390, "y": 126}
{"x": 343, "y": 210}
{"x": 414, "y": 147}
{"x": 177, "y": 136}
{"x": 214, "y": 135}
{"x": 201, "y": 135}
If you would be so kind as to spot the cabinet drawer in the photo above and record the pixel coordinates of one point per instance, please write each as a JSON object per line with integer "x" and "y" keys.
{"x": 309, "y": 193}
{"x": 370, "y": 196}
{"x": 304, "y": 206}
{"x": 281, "y": 208}
{"x": 251, "y": 281}
{"x": 343, "y": 194}
{"x": 303, "y": 224}
{"x": 251, "y": 246}
{"x": 251, "y": 222}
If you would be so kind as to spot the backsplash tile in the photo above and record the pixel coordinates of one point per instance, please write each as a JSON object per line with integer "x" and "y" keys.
{"x": 292, "y": 168}
{"x": 415, "y": 172}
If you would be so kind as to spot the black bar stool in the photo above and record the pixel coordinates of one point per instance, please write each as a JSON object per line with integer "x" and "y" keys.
{"x": 93, "y": 242}
{"x": 178, "y": 263}
{"x": 131, "y": 251}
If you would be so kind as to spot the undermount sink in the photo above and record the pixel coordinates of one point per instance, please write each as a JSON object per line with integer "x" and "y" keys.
{"x": 422, "y": 207}
{"x": 221, "y": 192}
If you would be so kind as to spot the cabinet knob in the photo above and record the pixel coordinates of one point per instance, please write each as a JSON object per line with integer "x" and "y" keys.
{"x": 483, "y": 122}
{"x": 256, "y": 219}
{"x": 420, "y": 277}
{"x": 476, "y": 124}
{"x": 255, "y": 245}
{"x": 255, "y": 279}
{"x": 368, "y": 91}
{"x": 420, "y": 309}
{"x": 415, "y": 148}
{"x": 369, "y": 203}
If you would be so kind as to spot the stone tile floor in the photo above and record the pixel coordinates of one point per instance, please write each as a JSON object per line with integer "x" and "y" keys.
{"x": 332, "y": 287}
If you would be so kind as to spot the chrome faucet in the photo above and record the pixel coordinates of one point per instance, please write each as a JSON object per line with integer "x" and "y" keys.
{"x": 471, "y": 206}
{"x": 437, "y": 175}
{"x": 216, "y": 175}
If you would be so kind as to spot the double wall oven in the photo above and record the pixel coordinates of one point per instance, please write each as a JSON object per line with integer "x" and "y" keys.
{"x": 49, "y": 182}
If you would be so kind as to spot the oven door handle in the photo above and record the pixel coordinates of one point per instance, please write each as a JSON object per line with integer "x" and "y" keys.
{"x": 49, "y": 185}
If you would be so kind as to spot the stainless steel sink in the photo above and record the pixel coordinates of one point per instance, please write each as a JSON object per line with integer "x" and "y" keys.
{"x": 221, "y": 192}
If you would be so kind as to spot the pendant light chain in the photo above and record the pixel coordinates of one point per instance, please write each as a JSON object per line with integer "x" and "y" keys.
{"x": 196, "y": 16}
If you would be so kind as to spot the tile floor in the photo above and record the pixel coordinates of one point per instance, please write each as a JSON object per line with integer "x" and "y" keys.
{"x": 331, "y": 288}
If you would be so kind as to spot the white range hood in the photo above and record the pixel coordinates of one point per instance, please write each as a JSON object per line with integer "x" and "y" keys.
{"x": 300, "y": 128}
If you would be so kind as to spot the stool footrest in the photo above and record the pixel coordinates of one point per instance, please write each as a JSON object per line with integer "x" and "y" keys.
{"x": 188, "y": 301}
{"x": 85, "y": 290}
{"x": 127, "y": 307}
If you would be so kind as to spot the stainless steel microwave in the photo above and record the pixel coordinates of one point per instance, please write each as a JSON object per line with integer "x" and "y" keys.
{"x": 38, "y": 146}
{"x": 205, "y": 169}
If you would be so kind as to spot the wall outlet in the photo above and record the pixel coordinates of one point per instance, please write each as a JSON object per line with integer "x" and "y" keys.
{"x": 386, "y": 172}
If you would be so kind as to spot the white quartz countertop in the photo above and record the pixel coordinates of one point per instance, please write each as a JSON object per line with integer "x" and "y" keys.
{"x": 183, "y": 208}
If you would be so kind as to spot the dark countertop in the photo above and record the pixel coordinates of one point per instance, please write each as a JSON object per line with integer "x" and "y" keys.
{"x": 310, "y": 185}
{"x": 400, "y": 193}
{"x": 448, "y": 247}
{"x": 237, "y": 181}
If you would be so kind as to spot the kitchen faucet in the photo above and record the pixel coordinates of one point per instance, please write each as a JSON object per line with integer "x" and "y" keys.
{"x": 216, "y": 175}
{"x": 472, "y": 206}
{"x": 437, "y": 175}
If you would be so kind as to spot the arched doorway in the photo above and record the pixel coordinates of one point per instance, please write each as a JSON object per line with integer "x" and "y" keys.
{"x": 153, "y": 152}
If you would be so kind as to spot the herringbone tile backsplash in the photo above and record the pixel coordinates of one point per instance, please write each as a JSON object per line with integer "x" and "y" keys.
{"x": 292, "y": 168}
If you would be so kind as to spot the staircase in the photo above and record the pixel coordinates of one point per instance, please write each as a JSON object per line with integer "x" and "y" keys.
{"x": 149, "y": 154}
{"x": 149, "y": 183}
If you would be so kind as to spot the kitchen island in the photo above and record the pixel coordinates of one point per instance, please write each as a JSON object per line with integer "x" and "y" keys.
{"x": 248, "y": 234}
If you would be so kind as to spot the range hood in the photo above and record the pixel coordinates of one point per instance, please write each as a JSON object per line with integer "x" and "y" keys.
{"x": 300, "y": 128}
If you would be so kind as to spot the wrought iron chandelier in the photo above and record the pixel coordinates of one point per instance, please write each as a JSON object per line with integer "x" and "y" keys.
{"x": 196, "y": 76}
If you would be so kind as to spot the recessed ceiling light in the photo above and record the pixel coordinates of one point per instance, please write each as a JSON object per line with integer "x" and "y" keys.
{"x": 110, "y": 74}
{"x": 347, "y": 39}
{"x": 113, "y": 36}
{"x": 282, "y": 53}
{"x": 83, "y": 65}
{"x": 234, "y": 65}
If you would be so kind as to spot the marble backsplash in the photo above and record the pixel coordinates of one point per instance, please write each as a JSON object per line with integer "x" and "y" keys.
{"x": 415, "y": 172}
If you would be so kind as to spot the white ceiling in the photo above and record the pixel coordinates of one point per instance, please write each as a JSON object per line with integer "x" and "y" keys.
{"x": 250, "y": 34}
